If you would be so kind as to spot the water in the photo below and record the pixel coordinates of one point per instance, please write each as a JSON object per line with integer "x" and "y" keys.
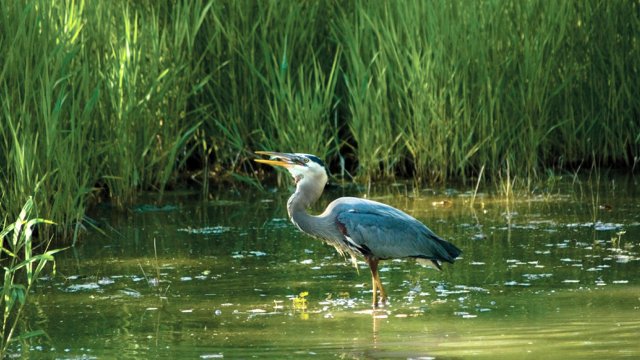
{"x": 553, "y": 274}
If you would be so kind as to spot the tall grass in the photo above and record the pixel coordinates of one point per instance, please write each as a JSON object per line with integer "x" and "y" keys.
{"x": 472, "y": 84}
{"x": 272, "y": 80}
{"x": 369, "y": 74}
{"x": 22, "y": 267}
{"x": 47, "y": 107}
{"x": 95, "y": 102}
{"x": 101, "y": 100}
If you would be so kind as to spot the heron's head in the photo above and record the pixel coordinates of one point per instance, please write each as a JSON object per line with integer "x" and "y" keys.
{"x": 305, "y": 168}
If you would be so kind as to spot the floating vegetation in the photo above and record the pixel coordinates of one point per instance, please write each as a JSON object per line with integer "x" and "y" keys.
{"x": 536, "y": 276}
{"x": 442, "y": 291}
{"x": 207, "y": 230}
{"x": 600, "y": 226}
{"x": 154, "y": 208}
{"x": 465, "y": 315}
{"x": 224, "y": 203}
{"x": 243, "y": 254}
{"x": 131, "y": 293}
{"x": 212, "y": 356}
{"x": 622, "y": 259}
{"x": 343, "y": 301}
{"x": 278, "y": 223}
{"x": 299, "y": 302}
{"x": 278, "y": 304}
{"x": 105, "y": 281}
{"x": 82, "y": 287}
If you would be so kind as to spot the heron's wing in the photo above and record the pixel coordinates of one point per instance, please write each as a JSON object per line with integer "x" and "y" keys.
{"x": 386, "y": 232}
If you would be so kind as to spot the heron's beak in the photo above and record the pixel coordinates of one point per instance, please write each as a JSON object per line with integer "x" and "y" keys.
{"x": 278, "y": 159}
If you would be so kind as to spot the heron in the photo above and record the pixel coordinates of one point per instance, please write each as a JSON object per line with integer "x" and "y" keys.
{"x": 356, "y": 227}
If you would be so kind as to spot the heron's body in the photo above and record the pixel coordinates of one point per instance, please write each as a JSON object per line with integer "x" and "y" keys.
{"x": 361, "y": 227}
{"x": 358, "y": 227}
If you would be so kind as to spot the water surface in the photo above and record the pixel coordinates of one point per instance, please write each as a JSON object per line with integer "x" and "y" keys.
{"x": 552, "y": 274}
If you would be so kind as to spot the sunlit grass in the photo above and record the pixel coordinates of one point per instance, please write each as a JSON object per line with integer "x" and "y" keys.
{"x": 22, "y": 267}
{"x": 92, "y": 111}
{"x": 101, "y": 100}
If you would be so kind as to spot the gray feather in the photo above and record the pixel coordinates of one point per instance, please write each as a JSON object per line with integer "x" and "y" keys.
{"x": 386, "y": 232}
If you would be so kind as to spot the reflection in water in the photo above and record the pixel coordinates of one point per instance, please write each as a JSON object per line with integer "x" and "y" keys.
{"x": 211, "y": 280}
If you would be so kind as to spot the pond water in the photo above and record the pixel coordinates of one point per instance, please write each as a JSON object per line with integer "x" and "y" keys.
{"x": 553, "y": 274}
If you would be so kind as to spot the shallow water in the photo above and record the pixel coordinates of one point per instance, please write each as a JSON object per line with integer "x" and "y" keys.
{"x": 552, "y": 274}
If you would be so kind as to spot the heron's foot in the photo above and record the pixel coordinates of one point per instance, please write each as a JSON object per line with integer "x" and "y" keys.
{"x": 382, "y": 303}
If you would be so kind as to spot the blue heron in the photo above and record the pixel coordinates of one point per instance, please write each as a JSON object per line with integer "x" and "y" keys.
{"x": 358, "y": 227}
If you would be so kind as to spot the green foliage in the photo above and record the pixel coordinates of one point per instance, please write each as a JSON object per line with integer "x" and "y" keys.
{"x": 272, "y": 85}
{"x": 90, "y": 109}
{"x": 457, "y": 86}
{"x": 18, "y": 259}
{"x": 101, "y": 100}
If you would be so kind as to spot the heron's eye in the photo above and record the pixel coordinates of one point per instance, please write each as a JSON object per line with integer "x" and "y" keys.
{"x": 305, "y": 160}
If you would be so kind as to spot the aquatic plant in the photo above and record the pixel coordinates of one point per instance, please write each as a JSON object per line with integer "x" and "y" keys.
{"x": 22, "y": 267}
{"x": 93, "y": 113}
{"x": 299, "y": 301}
{"x": 154, "y": 95}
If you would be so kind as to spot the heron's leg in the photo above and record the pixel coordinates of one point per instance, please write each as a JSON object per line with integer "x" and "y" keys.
{"x": 383, "y": 296}
{"x": 375, "y": 281}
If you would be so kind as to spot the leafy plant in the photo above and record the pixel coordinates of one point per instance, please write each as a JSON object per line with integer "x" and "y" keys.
{"x": 153, "y": 93}
{"x": 22, "y": 268}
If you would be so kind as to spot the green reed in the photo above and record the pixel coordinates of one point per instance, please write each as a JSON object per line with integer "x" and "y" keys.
{"x": 101, "y": 100}
{"x": 21, "y": 270}
{"x": 272, "y": 83}
{"x": 467, "y": 85}
{"x": 94, "y": 112}
{"x": 45, "y": 128}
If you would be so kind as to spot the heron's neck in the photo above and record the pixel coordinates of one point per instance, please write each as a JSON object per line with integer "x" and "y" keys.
{"x": 297, "y": 208}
